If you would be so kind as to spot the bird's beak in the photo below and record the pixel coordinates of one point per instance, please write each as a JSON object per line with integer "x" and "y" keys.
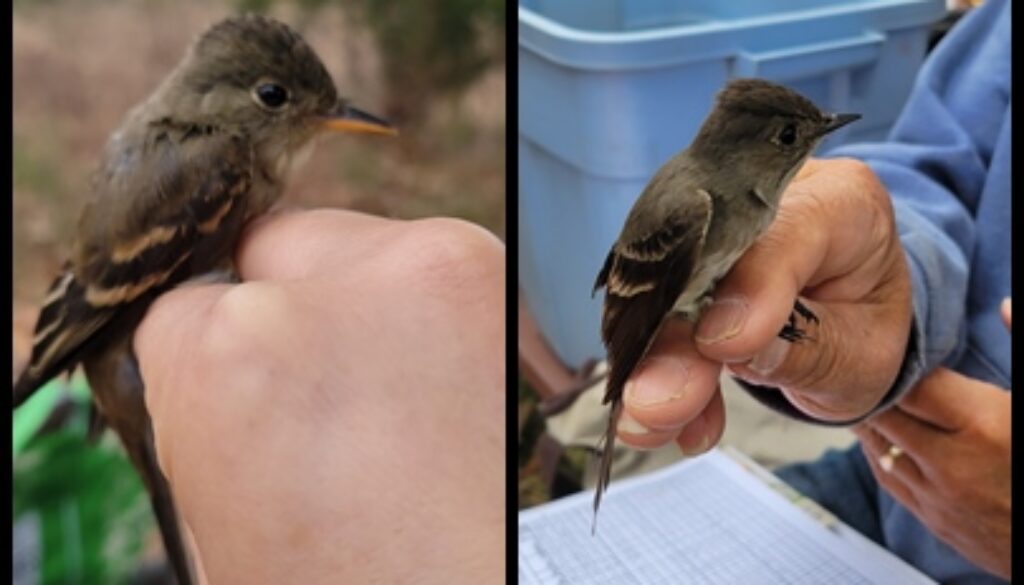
{"x": 345, "y": 118}
{"x": 837, "y": 121}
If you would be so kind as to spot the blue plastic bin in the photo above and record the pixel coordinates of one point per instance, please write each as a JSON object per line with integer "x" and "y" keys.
{"x": 611, "y": 89}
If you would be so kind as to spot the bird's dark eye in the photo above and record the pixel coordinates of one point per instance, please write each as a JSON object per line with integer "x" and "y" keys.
{"x": 788, "y": 135}
{"x": 271, "y": 95}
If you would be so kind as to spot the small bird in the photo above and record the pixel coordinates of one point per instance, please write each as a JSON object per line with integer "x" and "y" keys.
{"x": 209, "y": 150}
{"x": 695, "y": 218}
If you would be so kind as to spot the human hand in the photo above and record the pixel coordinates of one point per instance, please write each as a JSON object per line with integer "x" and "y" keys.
{"x": 340, "y": 414}
{"x": 1005, "y": 310}
{"x": 954, "y": 470}
{"x": 834, "y": 242}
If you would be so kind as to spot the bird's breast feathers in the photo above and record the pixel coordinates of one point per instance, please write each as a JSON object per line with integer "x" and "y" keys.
{"x": 287, "y": 162}
{"x": 694, "y": 298}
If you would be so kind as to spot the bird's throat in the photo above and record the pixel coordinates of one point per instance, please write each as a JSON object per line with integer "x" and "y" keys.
{"x": 286, "y": 161}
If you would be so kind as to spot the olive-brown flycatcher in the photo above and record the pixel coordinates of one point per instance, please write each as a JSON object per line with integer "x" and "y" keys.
{"x": 209, "y": 150}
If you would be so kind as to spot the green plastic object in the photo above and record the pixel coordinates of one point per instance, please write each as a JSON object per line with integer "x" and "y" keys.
{"x": 80, "y": 510}
{"x": 34, "y": 412}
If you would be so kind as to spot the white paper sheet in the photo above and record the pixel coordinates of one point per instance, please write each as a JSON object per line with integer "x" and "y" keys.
{"x": 705, "y": 520}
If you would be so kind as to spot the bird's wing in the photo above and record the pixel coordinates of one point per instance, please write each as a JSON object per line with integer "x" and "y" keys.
{"x": 136, "y": 239}
{"x": 644, "y": 277}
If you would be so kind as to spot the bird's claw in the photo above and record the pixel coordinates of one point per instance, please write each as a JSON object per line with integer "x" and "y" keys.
{"x": 804, "y": 312}
{"x": 790, "y": 332}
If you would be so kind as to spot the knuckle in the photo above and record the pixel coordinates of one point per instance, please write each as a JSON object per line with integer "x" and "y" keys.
{"x": 451, "y": 258}
{"x": 855, "y": 168}
{"x": 985, "y": 429}
{"x": 232, "y": 327}
{"x": 861, "y": 182}
{"x": 869, "y": 186}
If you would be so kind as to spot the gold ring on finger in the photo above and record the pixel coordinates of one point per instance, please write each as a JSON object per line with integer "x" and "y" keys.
{"x": 887, "y": 460}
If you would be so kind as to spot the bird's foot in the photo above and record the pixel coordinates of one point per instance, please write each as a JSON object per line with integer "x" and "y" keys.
{"x": 790, "y": 332}
{"x": 802, "y": 310}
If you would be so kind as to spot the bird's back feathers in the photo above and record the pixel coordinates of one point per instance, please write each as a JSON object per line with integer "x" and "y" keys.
{"x": 151, "y": 235}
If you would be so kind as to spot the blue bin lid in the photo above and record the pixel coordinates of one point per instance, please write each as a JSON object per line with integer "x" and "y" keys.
{"x": 714, "y": 37}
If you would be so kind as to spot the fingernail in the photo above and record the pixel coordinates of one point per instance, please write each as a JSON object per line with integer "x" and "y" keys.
{"x": 770, "y": 357}
{"x": 722, "y": 320}
{"x": 628, "y": 425}
{"x": 658, "y": 380}
{"x": 701, "y": 448}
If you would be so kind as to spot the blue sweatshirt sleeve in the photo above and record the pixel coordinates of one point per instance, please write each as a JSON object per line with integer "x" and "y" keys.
{"x": 935, "y": 164}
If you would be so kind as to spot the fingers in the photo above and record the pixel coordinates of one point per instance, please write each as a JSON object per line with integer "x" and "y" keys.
{"x": 896, "y": 481}
{"x": 672, "y": 387}
{"x": 706, "y": 430}
{"x": 834, "y": 241}
{"x": 920, "y": 441}
{"x": 1005, "y": 310}
{"x": 942, "y": 398}
{"x": 904, "y": 466}
{"x": 694, "y": 438}
{"x": 638, "y": 436}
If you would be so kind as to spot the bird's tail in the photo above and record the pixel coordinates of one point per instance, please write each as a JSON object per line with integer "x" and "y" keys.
{"x": 141, "y": 451}
{"x": 118, "y": 390}
{"x": 166, "y": 513}
{"x": 607, "y": 449}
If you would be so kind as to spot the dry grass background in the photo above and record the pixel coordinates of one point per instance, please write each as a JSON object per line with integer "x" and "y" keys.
{"x": 79, "y": 65}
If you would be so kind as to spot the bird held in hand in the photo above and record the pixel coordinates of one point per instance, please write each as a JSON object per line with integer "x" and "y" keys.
{"x": 209, "y": 150}
{"x": 696, "y": 217}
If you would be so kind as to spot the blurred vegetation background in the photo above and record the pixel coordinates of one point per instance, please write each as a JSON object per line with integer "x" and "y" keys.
{"x": 435, "y": 68}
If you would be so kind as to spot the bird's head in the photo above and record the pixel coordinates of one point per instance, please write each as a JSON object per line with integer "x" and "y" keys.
{"x": 256, "y": 74}
{"x": 765, "y": 128}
